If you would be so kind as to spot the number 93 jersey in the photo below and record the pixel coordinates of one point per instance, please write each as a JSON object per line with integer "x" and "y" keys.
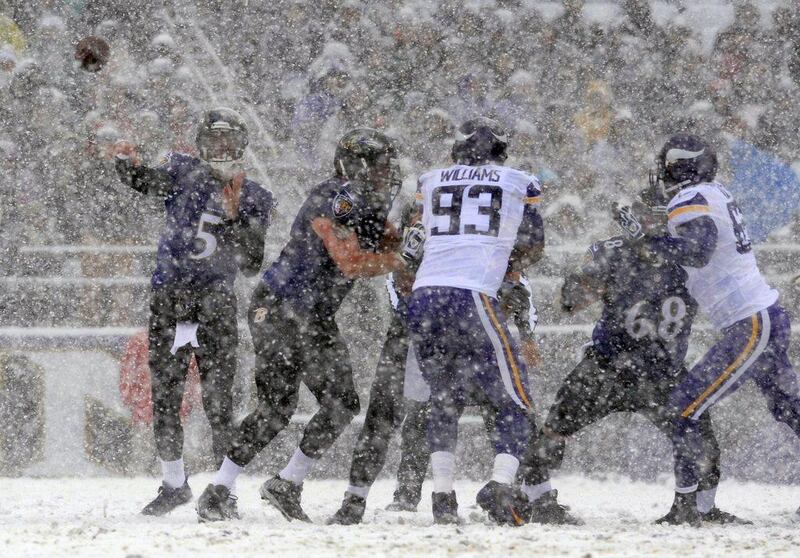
{"x": 730, "y": 287}
{"x": 471, "y": 216}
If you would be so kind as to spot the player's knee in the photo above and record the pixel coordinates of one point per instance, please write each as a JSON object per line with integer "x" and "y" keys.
{"x": 349, "y": 405}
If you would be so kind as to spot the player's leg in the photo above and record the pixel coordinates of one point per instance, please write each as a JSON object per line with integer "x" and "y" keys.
{"x": 414, "y": 458}
{"x": 168, "y": 377}
{"x": 653, "y": 394}
{"x": 590, "y": 392}
{"x": 383, "y": 416}
{"x": 216, "y": 362}
{"x": 500, "y": 376}
{"x": 278, "y": 359}
{"x": 718, "y": 374}
{"x": 218, "y": 338}
{"x": 329, "y": 377}
{"x": 775, "y": 375}
{"x": 439, "y": 323}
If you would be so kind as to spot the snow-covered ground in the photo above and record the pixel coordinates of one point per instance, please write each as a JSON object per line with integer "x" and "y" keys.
{"x": 99, "y": 517}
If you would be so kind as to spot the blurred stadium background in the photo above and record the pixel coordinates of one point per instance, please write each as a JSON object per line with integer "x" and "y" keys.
{"x": 589, "y": 89}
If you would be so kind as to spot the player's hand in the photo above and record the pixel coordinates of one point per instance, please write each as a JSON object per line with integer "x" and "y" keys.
{"x": 231, "y": 195}
{"x": 123, "y": 149}
{"x": 630, "y": 224}
{"x": 530, "y": 353}
{"x": 413, "y": 244}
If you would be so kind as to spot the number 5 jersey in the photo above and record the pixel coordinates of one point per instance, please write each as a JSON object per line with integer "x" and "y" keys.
{"x": 730, "y": 287}
{"x": 472, "y": 215}
{"x": 199, "y": 246}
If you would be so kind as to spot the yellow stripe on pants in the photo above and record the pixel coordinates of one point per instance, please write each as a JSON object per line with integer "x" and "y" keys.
{"x": 748, "y": 350}
{"x": 509, "y": 354}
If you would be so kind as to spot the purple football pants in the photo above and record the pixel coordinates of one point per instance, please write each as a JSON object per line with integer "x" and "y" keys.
{"x": 754, "y": 348}
{"x": 466, "y": 353}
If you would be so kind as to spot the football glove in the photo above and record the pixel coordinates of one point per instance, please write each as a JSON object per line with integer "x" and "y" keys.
{"x": 413, "y": 244}
{"x": 627, "y": 220}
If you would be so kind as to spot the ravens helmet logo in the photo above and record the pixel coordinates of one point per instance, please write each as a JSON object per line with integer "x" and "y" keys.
{"x": 342, "y": 204}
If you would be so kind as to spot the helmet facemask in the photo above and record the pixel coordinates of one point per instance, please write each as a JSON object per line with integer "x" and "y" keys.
{"x": 222, "y": 146}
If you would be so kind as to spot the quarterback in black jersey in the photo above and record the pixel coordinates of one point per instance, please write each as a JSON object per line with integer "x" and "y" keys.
{"x": 340, "y": 234}
{"x": 633, "y": 362}
{"x": 215, "y": 224}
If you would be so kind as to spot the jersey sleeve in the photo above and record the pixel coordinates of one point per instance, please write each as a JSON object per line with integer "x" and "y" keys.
{"x": 172, "y": 163}
{"x": 257, "y": 204}
{"x": 533, "y": 194}
{"x": 600, "y": 258}
{"x": 686, "y": 207}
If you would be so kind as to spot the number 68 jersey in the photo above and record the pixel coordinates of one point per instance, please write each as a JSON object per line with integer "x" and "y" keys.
{"x": 730, "y": 287}
{"x": 647, "y": 310}
{"x": 471, "y": 216}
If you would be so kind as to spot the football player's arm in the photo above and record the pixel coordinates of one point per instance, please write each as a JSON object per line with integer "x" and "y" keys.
{"x": 583, "y": 288}
{"x": 692, "y": 244}
{"x": 529, "y": 246}
{"x": 247, "y": 226}
{"x": 516, "y": 298}
{"x": 146, "y": 180}
{"x": 343, "y": 247}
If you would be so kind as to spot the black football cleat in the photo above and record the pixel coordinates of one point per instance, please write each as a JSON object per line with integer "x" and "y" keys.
{"x": 683, "y": 511}
{"x": 168, "y": 499}
{"x": 505, "y": 504}
{"x": 216, "y": 503}
{"x": 445, "y": 508}
{"x": 718, "y": 517}
{"x": 285, "y": 496}
{"x": 351, "y": 512}
{"x": 405, "y": 499}
{"x": 547, "y": 510}
{"x": 401, "y": 506}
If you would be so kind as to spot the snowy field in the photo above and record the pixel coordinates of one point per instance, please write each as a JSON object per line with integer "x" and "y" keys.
{"x": 98, "y": 517}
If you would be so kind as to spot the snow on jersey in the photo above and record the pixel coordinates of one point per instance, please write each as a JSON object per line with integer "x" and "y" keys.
{"x": 730, "y": 288}
{"x": 471, "y": 217}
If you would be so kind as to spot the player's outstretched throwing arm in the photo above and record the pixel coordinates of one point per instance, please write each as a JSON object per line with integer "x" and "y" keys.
{"x": 155, "y": 181}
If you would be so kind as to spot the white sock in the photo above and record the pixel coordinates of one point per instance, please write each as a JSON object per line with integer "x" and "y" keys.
{"x": 173, "y": 471}
{"x": 705, "y": 499}
{"x": 505, "y": 468}
{"x": 298, "y": 467}
{"x": 536, "y": 491}
{"x": 226, "y": 476}
{"x": 360, "y": 491}
{"x": 443, "y": 465}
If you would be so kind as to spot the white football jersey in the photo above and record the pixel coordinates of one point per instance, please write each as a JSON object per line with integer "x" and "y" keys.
{"x": 730, "y": 288}
{"x": 471, "y": 217}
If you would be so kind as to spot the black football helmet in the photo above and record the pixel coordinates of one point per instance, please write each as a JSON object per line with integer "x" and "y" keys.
{"x": 221, "y": 140}
{"x": 683, "y": 161}
{"x": 367, "y": 156}
{"x": 479, "y": 141}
